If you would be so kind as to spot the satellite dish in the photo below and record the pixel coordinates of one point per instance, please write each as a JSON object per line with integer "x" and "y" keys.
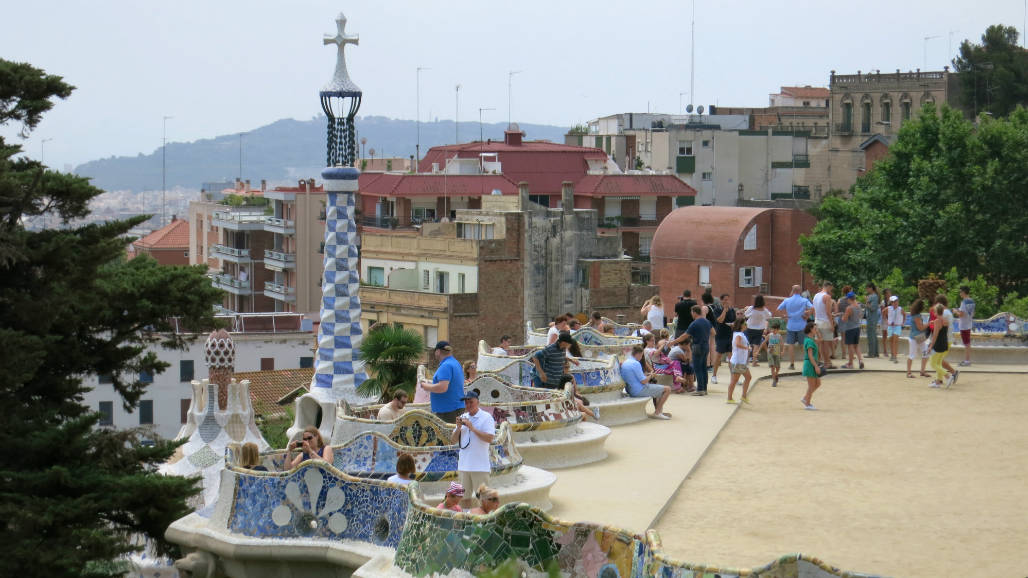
{"x": 688, "y": 108}
{"x": 699, "y": 109}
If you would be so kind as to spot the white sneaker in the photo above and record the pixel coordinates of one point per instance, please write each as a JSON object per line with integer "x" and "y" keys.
{"x": 596, "y": 413}
{"x": 713, "y": 379}
{"x": 934, "y": 384}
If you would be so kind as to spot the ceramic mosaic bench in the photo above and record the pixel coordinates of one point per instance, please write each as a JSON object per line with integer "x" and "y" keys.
{"x": 436, "y": 542}
{"x": 548, "y": 429}
{"x": 594, "y": 345}
{"x": 599, "y": 381}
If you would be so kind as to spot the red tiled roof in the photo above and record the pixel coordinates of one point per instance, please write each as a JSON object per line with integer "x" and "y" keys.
{"x": 543, "y": 165}
{"x": 433, "y": 185}
{"x": 174, "y": 235}
{"x": 632, "y": 185}
{"x": 702, "y": 233}
{"x": 267, "y": 387}
{"x": 806, "y": 91}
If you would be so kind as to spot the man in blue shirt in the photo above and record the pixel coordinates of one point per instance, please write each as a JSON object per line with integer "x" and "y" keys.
{"x": 447, "y": 387}
{"x": 798, "y": 308}
{"x": 548, "y": 362}
{"x": 699, "y": 330}
{"x": 636, "y": 383}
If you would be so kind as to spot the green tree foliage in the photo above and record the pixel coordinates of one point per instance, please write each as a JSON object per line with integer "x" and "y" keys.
{"x": 993, "y": 74}
{"x": 390, "y": 355}
{"x": 948, "y": 195}
{"x": 71, "y": 494}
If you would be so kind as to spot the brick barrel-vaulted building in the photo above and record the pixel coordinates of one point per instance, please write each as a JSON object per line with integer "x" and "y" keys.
{"x": 741, "y": 251}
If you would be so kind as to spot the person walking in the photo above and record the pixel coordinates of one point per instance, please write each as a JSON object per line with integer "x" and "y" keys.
{"x": 757, "y": 316}
{"x": 810, "y": 365}
{"x": 894, "y": 319}
{"x": 965, "y": 314}
{"x": 725, "y": 318}
{"x": 940, "y": 347}
{"x": 883, "y": 320}
{"x": 850, "y": 329}
{"x": 874, "y": 315}
{"x": 916, "y": 338}
{"x": 797, "y": 308}
{"x": 773, "y": 343}
{"x": 738, "y": 363}
{"x": 824, "y": 305}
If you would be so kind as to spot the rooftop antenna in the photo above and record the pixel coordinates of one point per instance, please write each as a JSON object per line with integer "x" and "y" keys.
{"x": 692, "y": 56}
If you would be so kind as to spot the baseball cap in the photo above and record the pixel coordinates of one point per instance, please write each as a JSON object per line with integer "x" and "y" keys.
{"x": 851, "y": 295}
{"x": 564, "y": 337}
{"x": 470, "y": 395}
{"x": 444, "y": 345}
{"x": 894, "y": 298}
{"x": 455, "y": 489}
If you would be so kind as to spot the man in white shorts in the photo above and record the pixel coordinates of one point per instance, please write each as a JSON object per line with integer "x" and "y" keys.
{"x": 825, "y": 323}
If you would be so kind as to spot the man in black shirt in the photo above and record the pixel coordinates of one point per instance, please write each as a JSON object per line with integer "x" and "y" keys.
{"x": 724, "y": 317}
{"x": 683, "y": 312}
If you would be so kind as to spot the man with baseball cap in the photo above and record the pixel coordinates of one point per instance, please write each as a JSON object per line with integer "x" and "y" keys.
{"x": 548, "y": 362}
{"x": 447, "y": 387}
{"x": 474, "y": 432}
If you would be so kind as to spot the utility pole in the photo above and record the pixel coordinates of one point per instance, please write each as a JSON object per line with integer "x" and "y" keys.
{"x": 456, "y": 117}
{"x": 692, "y": 56}
{"x": 510, "y": 77}
{"x": 417, "y": 147}
{"x": 164, "y": 168}
{"x": 481, "y": 138}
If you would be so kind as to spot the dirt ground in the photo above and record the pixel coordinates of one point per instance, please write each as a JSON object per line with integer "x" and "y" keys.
{"x": 888, "y": 477}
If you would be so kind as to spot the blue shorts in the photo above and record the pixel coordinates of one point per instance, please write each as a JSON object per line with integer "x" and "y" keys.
{"x": 793, "y": 337}
{"x": 895, "y": 330}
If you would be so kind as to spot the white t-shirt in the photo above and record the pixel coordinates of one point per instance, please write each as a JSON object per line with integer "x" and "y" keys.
{"x": 656, "y": 317}
{"x": 396, "y": 479}
{"x": 387, "y": 413}
{"x": 949, "y": 318}
{"x": 499, "y": 351}
{"x": 757, "y": 318}
{"x": 967, "y": 319}
{"x": 894, "y": 315}
{"x": 820, "y": 307}
{"x": 474, "y": 452}
{"x": 552, "y": 335}
{"x": 740, "y": 355}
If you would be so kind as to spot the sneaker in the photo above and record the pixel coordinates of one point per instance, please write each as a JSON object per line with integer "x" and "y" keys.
{"x": 713, "y": 379}
{"x": 698, "y": 392}
{"x": 731, "y": 401}
{"x": 964, "y": 363}
{"x": 956, "y": 374}
{"x": 934, "y": 384}
{"x": 774, "y": 382}
{"x": 745, "y": 399}
{"x": 810, "y": 407}
{"x": 661, "y": 416}
{"x": 596, "y": 413}
{"x": 792, "y": 366}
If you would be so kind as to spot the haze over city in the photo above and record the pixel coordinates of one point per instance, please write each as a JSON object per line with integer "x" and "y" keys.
{"x": 228, "y": 67}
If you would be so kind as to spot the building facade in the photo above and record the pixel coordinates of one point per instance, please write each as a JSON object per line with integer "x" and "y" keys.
{"x": 169, "y": 245}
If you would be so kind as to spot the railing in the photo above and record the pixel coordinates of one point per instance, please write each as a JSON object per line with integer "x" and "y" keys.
{"x": 279, "y": 223}
{"x": 231, "y": 251}
{"x": 800, "y": 159}
{"x": 229, "y": 281}
{"x": 392, "y": 222}
{"x": 280, "y": 256}
{"x": 887, "y": 77}
{"x": 250, "y": 322}
{"x": 279, "y": 288}
{"x": 238, "y": 217}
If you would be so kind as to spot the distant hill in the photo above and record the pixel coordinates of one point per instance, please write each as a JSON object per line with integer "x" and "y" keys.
{"x": 283, "y": 150}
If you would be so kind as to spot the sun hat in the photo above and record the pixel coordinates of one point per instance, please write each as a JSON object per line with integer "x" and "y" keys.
{"x": 894, "y": 298}
{"x": 455, "y": 489}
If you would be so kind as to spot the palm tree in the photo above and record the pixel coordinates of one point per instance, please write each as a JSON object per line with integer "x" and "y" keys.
{"x": 391, "y": 354}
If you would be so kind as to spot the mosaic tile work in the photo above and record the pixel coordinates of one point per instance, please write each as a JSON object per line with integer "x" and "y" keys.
{"x": 601, "y": 346}
{"x": 1001, "y": 323}
{"x": 317, "y": 501}
{"x": 437, "y": 541}
{"x": 372, "y": 455}
{"x": 622, "y": 330}
{"x": 419, "y": 427}
{"x": 603, "y": 373}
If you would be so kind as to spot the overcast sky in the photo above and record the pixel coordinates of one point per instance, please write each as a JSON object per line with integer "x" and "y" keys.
{"x": 228, "y": 66}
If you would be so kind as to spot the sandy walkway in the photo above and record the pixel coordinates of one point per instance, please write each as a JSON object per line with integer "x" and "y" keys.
{"x": 887, "y": 477}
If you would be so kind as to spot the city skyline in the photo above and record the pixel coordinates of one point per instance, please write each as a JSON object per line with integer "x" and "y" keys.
{"x": 231, "y": 67}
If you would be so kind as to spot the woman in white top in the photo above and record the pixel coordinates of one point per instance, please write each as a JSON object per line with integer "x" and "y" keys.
{"x": 756, "y": 316}
{"x": 653, "y": 309}
{"x": 738, "y": 361}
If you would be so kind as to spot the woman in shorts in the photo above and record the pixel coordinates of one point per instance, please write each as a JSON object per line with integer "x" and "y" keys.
{"x": 916, "y": 338}
{"x": 739, "y": 361}
{"x": 810, "y": 366}
{"x": 756, "y": 316}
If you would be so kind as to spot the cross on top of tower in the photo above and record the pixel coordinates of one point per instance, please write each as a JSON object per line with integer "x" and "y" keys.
{"x": 341, "y": 82}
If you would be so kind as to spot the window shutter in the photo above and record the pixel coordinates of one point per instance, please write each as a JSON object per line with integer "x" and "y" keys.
{"x": 758, "y": 276}
{"x": 742, "y": 277}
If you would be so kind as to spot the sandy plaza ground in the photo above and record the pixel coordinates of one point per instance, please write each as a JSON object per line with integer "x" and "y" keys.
{"x": 888, "y": 477}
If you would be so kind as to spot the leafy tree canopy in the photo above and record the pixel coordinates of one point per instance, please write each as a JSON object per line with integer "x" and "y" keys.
{"x": 72, "y": 495}
{"x": 993, "y": 74}
{"x": 948, "y": 195}
{"x": 391, "y": 354}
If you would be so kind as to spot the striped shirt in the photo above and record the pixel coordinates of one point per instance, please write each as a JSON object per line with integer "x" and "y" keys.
{"x": 552, "y": 359}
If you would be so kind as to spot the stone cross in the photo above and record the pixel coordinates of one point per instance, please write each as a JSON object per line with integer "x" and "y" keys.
{"x": 341, "y": 39}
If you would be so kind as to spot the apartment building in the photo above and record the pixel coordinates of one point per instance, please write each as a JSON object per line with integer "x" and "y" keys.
{"x": 169, "y": 245}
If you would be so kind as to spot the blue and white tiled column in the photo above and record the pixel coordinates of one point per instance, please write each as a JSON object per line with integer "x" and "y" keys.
{"x": 338, "y": 369}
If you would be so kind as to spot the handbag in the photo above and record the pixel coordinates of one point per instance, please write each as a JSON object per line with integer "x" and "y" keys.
{"x": 821, "y": 370}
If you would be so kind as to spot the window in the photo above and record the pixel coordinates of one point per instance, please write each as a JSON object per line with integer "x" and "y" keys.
{"x": 708, "y": 176}
{"x": 475, "y": 230}
{"x": 706, "y": 144}
{"x": 376, "y": 276}
{"x": 644, "y": 244}
{"x": 306, "y": 362}
{"x": 905, "y": 110}
{"x": 185, "y": 254}
{"x": 685, "y": 148}
{"x": 750, "y": 242}
{"x": 847, "y": 117}
{"x": 105, "y": 378}
{"x": 106, "y": 413}
{"x": 185, "y": 370}
{"x": 750, "y": 276}
{"x": 705, "y": 275}
{"x": 183, "y": 409}
{"x": 146, "y": 412}
{"x": 267, "y": 364}
{"x": 426, "y": 279}
{"x": 460, "y": 282}
{"x": 865, "y": 119}
{"x": 543, "y": 200}
{"x": 886, "y": 112}
{"x": 442, "y": 282}
{"x": 145, "y": 377}
{"x": 806, "y": 103}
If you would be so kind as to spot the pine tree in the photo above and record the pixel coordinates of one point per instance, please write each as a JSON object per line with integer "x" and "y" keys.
{"x": 72, "y": 495}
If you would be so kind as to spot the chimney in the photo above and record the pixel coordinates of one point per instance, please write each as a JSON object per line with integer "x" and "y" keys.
{"x": 310, "y": 185}
{"x": 523, "y": 194}
{"x": 567, "y": 197}
{"x": 264, "y": 185}
{"x": 512, "y": 137}
{"x": 247, "y": 189}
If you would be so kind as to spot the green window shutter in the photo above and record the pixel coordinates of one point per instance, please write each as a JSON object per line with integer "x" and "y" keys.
{"x": 685, "y": 165}
{"x": 685, "y": 201}
{"x": 598, "y": 142}
{"x": 607, "y": 145}
{"x": 579, "y": 140}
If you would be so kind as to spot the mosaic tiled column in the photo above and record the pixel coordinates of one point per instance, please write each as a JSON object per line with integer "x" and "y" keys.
{"x": 220, "y": 357}
{"x": 338, "y": 370}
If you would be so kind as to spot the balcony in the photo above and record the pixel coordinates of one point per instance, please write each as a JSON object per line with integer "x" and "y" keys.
{"x": 238, "y": 221}
{"x": 278, "y": 260}
{"x": 231, "y": 254}
{"x": 279, "y": 292}
{"x": 231, "y": 284}
{"x": 280, "y": 195}
{"x": 844, "y": 128}
{"x": 280, "y": 226}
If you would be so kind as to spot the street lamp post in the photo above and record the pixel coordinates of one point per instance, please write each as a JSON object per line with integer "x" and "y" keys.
{"x": 164, "y": 167}
{"x": 481, "y": 137}
{"x": 417, "y": 147}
